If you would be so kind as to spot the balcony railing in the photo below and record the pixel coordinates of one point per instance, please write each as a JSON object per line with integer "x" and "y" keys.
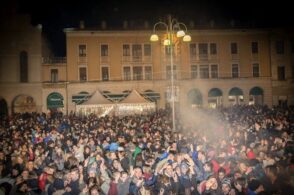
{"x": 54, "y": 60}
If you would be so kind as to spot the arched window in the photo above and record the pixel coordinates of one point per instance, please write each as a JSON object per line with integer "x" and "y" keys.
{"x": 256, "y": 96}
{"x": 23, "y": 62}
{"x": 195, "y": 97}
{"x": 215, "y": 97}
{"x": 236, "y": 95}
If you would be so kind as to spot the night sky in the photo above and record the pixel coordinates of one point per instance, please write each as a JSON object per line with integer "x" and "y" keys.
{"x": 55, "y": 15}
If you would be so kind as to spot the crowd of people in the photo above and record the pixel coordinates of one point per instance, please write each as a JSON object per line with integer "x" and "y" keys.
{"x": 232, "y": 151}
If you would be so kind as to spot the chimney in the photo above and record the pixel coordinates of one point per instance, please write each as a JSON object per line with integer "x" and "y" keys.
{"x": 82, "y": 24}
{"x": 125, "y": 24}
{"x": 103, "y": 25}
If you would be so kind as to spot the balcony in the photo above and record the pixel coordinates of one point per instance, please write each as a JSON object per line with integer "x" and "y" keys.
{"x": 54, "y": 60}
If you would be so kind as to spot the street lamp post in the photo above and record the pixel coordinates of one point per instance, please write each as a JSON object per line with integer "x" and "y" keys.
{"x": 172, "y": 26}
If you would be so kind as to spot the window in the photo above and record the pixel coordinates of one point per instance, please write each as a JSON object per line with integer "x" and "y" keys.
{"x": 168, "y": 72}
{"x": 104, "y": 50}
{"x": 203, "y": 48}
{"x": 127, "y": 73}
{"x": 214, "y": 71}
{"x": 204, "y": 71}
{"x": 235, "y": 70}
{"x": 255, "y": 69}
{"x": 167, "y": 50}
{"x": 194, "y": 71}
{"x": 105, "y": 73}
{"x": 147, "y": 50}
{"x": 213, "y": 50}
{"x": 234, "y": 48}
{"x": 82, "y": 51}
{"x": 193, "y": 49}
{"x": 54, "y": 75}
{"x": 23, "y": 62}
{"x": 137, "y": 73}
{"x": 281, "y": 73}
{"x": 148, "y": 73}
{"x": 83, "y": 73}
{"x": 254, "y": 47}
{"x": 137, "y": 51}
{"x": 280, "y": 47}
{"x": 126, "y": 50}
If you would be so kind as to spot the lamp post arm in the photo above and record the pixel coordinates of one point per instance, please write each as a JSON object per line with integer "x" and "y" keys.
{"x": 180, "y": 23}
{"x": 158, "y": 23}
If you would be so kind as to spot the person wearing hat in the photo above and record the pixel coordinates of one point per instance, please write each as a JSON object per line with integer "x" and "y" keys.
{"x": 227, "y": 187}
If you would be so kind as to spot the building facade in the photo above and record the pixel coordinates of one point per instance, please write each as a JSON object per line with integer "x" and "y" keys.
{"x": 219, "y": 67}
{"x": 20, "y": 64}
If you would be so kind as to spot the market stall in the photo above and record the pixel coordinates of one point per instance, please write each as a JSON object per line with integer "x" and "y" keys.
{"x": 97, "y": 104}
{"x": 134, "y": 103}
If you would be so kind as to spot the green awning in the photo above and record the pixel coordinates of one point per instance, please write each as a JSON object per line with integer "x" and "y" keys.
{"x": 81, "y": 97}
{"x": 152, "y": 96}
{"x": 114, "y": 97}
{"x": 55, "y": 100}
{"x": 256, "y": 91}
{"x": 195, "y": 97}
{"x": 215, "y": 92}
{"x": 235, "y": 92}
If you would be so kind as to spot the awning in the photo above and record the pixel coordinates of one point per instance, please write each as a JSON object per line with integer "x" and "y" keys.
{"x": 215, "y": 92}
{"x": 235, "y": 92}
{"x": 151, "y": 95}
{"x": 256, "y": 91}
{"x": 55, "y": 100}
{"x": 81, "y": 97}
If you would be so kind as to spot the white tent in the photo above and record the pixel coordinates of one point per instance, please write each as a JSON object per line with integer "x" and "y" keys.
{"x": 134, "y": 103}
{"x": 97, "y": 104}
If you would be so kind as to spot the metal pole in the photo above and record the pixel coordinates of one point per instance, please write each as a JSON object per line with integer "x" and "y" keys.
{"x": 172, "y": 74}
